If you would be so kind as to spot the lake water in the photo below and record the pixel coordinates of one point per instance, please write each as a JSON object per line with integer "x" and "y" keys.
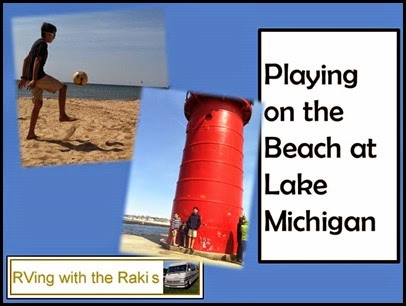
{"x": 142, "y": 230}
{"x": 92, "y": 91}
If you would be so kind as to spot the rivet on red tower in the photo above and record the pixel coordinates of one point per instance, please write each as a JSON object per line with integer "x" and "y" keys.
{"x": 211, "y": 173}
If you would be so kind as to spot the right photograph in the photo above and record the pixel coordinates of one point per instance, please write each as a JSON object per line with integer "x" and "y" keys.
{"x": 192, "y": 177}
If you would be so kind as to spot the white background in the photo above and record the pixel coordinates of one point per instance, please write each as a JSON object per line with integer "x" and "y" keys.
{"x": 86, "y": 265}
{"x": 356, "y": 187}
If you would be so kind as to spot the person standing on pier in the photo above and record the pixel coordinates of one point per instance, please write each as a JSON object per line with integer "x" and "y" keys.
{"x": 193, "y": 225}
{"x": 175, "y": 225}
{"x": 183, "y": 233}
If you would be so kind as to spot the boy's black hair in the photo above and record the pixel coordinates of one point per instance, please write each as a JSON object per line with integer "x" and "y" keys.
{"x": 195, "y": 208}
{"x": 47, "y": 27}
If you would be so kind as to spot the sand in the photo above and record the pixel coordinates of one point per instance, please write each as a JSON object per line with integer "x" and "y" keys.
{"x": 104, "y": 131}
{"x": 148, "y": 245}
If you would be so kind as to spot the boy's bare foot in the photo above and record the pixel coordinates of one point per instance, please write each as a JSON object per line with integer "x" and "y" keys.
{"x": 31, "y": 136}
{"x": 66, "y": 118}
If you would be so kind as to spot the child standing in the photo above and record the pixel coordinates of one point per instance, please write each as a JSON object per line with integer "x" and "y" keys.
{"x": 183, "y": 233}
{"x": 176, "y": 222}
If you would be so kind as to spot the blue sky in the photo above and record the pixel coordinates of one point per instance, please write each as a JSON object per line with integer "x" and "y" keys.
{"x": 159, "y": 143}
{"x": 114, "y": 47}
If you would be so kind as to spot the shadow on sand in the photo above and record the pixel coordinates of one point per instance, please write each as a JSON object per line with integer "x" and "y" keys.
{"x": 84, "y": 146}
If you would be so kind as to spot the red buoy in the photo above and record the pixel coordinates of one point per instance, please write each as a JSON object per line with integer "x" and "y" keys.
{"x": 211, "y": 173}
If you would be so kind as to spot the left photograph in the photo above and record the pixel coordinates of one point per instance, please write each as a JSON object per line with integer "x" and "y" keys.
{"x": 79, "y": 79}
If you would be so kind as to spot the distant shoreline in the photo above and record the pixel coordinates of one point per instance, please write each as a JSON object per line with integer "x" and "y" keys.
{"x": 145, "y": 222}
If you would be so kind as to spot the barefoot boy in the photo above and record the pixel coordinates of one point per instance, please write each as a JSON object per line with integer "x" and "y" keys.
{"x": 38, "y": 80}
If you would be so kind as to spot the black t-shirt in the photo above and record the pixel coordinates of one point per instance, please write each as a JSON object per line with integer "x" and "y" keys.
{"x": 39, "y": 48}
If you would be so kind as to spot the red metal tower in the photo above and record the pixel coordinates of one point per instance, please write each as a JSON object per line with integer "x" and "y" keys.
{"x": 211, "y": 173}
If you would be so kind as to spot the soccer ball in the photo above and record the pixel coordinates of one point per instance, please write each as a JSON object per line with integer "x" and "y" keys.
{"x": 80, "y": 78}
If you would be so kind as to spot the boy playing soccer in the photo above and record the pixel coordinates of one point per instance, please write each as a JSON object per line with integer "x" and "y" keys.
{"x": 38, "y": 80}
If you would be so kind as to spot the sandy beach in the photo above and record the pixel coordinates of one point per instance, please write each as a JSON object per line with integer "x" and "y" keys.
{"x": 148, "y": 245}
{"x": 104, "y": 131}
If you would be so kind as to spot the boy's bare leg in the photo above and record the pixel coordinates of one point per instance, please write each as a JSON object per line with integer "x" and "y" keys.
{"x": 34, "y": 118}
{"x": 174, "y": 239}
{"x": 62, "y": 101}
